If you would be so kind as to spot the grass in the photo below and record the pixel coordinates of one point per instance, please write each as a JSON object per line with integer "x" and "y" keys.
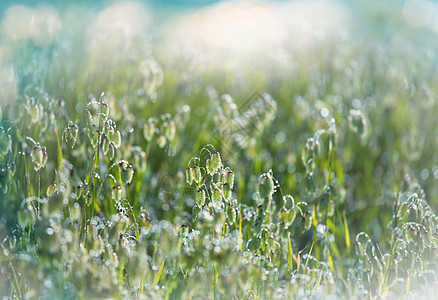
{"x": 168, "y": 180}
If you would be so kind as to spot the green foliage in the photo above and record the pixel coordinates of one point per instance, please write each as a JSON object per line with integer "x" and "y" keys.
{"x": 170, "y": 187}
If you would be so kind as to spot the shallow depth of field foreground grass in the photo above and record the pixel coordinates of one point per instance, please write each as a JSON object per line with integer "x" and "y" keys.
{"x": 241, "y": 150}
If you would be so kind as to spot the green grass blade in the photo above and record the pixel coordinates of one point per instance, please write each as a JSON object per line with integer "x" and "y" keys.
{"x": 160, "y": 271}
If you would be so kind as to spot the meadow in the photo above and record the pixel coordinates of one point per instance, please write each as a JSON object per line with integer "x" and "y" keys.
{"x": 153, "y": 157}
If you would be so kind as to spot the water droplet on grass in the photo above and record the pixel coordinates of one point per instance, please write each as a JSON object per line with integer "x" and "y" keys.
{"x": 424, "y": 174}
{"x": 325, "y": 112}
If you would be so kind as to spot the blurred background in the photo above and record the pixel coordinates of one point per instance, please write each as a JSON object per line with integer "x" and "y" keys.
{"x": 318, "y": 59}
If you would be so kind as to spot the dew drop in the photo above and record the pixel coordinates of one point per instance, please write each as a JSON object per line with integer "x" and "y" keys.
{"x": 325, "y": 112}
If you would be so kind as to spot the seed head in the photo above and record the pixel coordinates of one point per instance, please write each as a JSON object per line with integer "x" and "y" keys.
{"x": 189, "y": 175}
{"x": 128, "y": 174}
{"x": 116, "y": 138}
{"x": 216, "y": 160}
{"x": 161, "y": 140}
{"x": 197, "y": 174}
{"x": 288, "y": 216}
{"x": 149, "y": 130}
{"x": 116, "y": 193}
{"x": 39, "y": 157}
{"x": 51, "y": 190}
{"x": 227, "y": 191}
{"x": 200, "y": 198}
{"x": 94, "y": 136}
{"x": 229, "y": 178}
{"x": 105, "y": 145}
{"x": 111, "y": 152}
{"x": 289, "y": 201}
{"x": 308, "y": 217}
{"x": 170, "y": 130}
{"x": 216, "y": 195}
{"x": 231, "y": 214}
{"x": 266, "y": 186}
{"x": 209, "y": 166}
